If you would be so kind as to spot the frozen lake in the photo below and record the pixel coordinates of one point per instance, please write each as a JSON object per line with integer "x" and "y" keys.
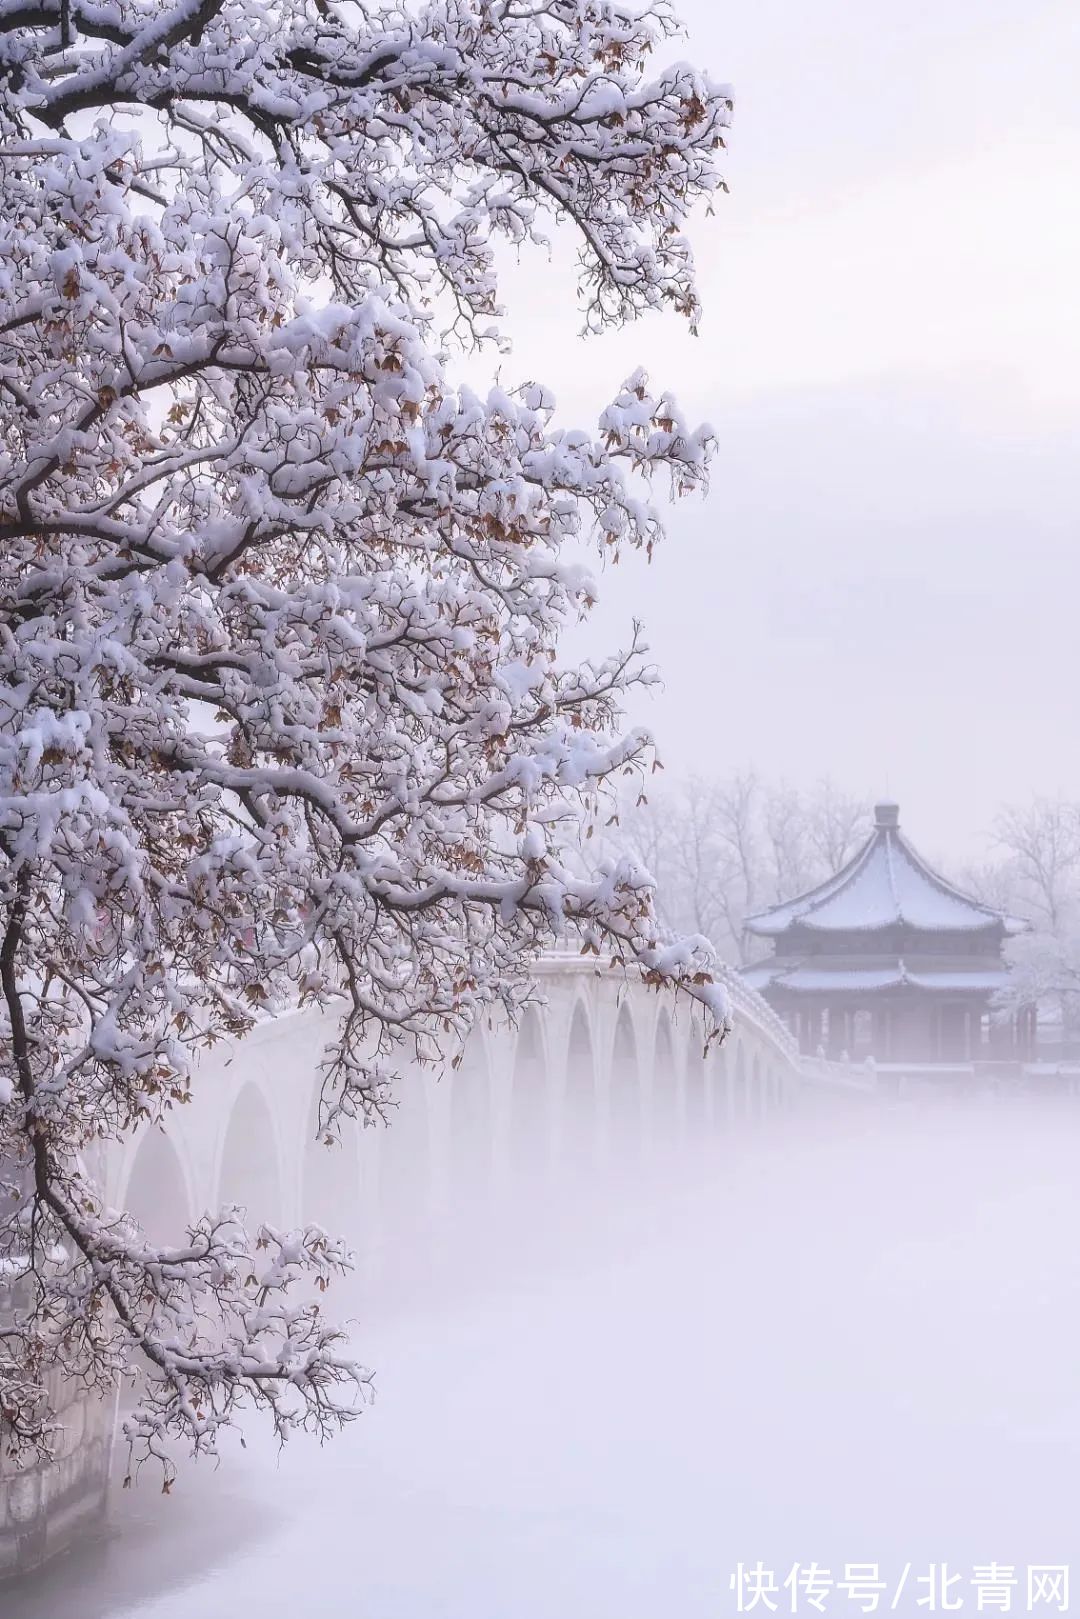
{"x": 842, "y": 1346}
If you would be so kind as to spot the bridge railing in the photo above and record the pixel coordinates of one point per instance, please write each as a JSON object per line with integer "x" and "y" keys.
{"x": 746, "y": 1004}
{"x": 854, "y": 1077}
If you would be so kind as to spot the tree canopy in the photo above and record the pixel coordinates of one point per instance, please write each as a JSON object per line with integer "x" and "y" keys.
{"x": 282, "y": 714}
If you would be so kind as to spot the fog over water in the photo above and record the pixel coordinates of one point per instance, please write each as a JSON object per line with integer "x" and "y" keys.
{"x": 848, "y": 1335}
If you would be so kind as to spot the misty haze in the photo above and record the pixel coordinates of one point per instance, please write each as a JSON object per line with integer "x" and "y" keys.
{"x": 842, "y": 1336}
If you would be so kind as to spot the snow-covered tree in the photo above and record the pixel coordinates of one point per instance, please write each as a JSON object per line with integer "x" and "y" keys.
{"x": 281, "y": 710}
{"x": 721, "y": 849}
{"x": 1037, "y": 878}
{"x": 1044, "y": 971}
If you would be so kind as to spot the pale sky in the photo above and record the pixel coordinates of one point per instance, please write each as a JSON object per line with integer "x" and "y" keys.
{"x": 883, "y": 584}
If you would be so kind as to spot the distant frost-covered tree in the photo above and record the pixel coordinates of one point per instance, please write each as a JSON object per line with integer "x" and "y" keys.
{"x": 281, "y": 711}
{"x": 1037, "y": 878}
{"x": 722, "y": 849}
{"x": 1040, "y": 843}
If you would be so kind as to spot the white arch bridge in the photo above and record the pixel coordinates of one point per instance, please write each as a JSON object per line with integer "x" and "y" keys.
{"x": 603, "y": 1073}
{"x": 602, "y": 1069}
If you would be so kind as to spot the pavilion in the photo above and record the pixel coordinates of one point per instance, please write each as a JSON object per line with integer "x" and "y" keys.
{"x": 888, "y": 960}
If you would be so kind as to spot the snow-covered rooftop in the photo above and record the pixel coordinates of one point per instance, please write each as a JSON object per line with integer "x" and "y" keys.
{"x": 886, "y": 885}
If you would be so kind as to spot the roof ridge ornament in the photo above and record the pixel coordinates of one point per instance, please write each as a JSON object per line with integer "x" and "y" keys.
{"x": 887, "y": 813}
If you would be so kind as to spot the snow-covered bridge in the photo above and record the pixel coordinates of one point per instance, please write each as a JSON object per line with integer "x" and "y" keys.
{"x": 605, "y": 1066}
{"x": 603, "y": 1072}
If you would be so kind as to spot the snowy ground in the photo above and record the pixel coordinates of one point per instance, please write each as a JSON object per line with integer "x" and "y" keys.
{"x": 842, "y": 1347}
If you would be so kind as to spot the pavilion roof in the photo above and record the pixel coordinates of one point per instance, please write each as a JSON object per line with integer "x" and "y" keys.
{"x": 886, "y": 885}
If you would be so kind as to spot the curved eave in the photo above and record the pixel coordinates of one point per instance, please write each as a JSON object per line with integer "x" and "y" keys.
{"x": 992, "y": 924}
{"x": 774, "y": 922}
{"x": 1011, "y": 926}
{"x": 816, "y": 981}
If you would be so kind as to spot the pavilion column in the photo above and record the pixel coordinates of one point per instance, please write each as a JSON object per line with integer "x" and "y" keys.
{"x": 975, "y": 1018}
{"x": 942, "y": 1039}
{"x": 883, "y": 1034}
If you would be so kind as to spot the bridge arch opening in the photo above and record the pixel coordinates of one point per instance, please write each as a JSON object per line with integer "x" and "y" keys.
{"x": 330, "y": 1187}
{"x": 719, "y": 1087}
{"x": 695, "y": 1081}
{"x": 625, "y": 1088}
{"x": 249, "y": 1172}
{"x": 470, "y": 1121}
{"x": 738, "y": 1095}
{"x": 665, "y": 1084}
{"x": 156, "y": 1193}
{"x": 579, "y": 1102}
{"x": 405, "y": 1160}
{"x": 528, "y": 1097}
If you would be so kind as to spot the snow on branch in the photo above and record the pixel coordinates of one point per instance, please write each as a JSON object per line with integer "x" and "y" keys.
{"x": 282, "y": 715}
